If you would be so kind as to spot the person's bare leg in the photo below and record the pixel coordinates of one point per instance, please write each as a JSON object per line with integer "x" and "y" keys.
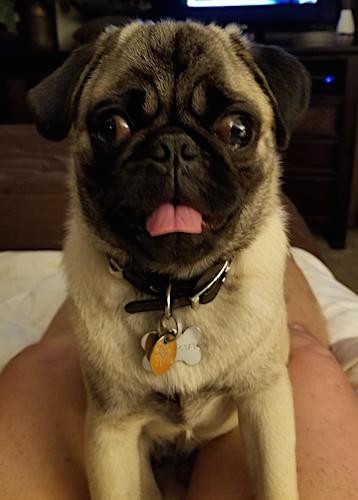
{"x": 301, "y": 304}
{"x": 326, "y": 421}
{"x": 42, "y": 405}
{"x": 326, "y": 418}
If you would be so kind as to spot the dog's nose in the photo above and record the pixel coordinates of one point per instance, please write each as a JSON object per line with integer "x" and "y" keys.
{"x": 173, "y": 148}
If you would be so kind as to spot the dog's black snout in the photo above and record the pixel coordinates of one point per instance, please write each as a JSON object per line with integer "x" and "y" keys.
{"x": 160, "y": 152}
{"x": 171, "y": 148}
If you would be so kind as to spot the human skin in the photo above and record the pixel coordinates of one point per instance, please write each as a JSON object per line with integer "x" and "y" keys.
{"x": 43, "y": 403}
{"x": 326, "y": 411}
{"x": 326, "y": 414}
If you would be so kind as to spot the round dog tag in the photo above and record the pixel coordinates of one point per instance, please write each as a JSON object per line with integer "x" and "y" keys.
{"x": 163, "y": 354}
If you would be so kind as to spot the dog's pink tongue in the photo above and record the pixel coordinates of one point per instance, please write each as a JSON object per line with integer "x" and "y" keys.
{"x": 168, "y": 219}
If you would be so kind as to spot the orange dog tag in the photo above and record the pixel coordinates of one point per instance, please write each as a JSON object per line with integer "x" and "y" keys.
{"x": 163, "y": 354}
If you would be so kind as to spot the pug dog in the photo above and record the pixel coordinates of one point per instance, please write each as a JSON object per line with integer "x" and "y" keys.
{"x": 176, "y": 246}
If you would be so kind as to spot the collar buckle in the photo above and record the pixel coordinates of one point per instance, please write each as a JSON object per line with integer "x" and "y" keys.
{"x": 195, "y": 302}
{"x": 221, "y": 275}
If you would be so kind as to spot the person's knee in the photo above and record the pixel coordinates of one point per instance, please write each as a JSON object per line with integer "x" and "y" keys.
{"x": 303, "y": 343}
{"x": 313, "y": 365}
{"x": 22, "y": 360}
{"x": 41, "y": 358}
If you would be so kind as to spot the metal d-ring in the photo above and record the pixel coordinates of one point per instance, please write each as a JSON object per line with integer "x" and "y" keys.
{"x": 168, "y": 302}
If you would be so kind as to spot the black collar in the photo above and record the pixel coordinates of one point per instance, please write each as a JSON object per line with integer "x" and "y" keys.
{"x": 199, "y": 290}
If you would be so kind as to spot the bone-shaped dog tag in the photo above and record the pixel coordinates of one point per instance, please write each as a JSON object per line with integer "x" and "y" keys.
{"x": 163, "y": 351}
{"x": 148, "y": 342}
{"x": 188, "y": 350}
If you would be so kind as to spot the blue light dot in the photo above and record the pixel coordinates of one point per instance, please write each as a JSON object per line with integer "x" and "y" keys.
{"x": 329, "y": 79}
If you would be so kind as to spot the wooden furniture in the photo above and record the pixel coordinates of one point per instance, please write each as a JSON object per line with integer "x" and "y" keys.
{"x": 320, "y": 162}
{"x": 33, "y": 193}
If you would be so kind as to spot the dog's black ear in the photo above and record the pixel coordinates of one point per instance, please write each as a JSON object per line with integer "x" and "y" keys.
{"x": 282, "y": 77}
{"x": 288, "y": 82}
{"x": 51, "y": 101}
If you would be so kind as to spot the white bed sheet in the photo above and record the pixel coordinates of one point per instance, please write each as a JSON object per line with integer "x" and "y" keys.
{"x": 339, "y": 304}
{"x": 32, "y": 288}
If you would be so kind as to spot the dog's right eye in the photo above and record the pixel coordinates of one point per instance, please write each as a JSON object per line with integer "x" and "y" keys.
{"x": 236, "y": 130}
{"x": 110, "y": 130}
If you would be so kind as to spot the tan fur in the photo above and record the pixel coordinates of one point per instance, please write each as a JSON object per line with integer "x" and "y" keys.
{"x": 244, "y": 343}
{"x": 244, "y": 334}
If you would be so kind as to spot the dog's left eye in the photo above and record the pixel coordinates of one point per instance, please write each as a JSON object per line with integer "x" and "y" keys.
{"x": 236, "y": 130}
{"x": 110, "y": 130}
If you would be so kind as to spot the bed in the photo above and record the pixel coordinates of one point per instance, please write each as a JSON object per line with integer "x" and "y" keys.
{"x": 33, "y": 203}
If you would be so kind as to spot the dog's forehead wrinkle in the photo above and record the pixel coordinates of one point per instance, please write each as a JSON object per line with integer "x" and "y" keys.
{"x": 169, "y": 51}
{"x": 169, "y": 46}
{"x": 198, "y": 99}
{"x": 161, "y": 47}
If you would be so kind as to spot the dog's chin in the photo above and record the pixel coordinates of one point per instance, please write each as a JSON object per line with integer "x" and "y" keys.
{"x": 179, "y": 254}
{"x": 174, "y": 249}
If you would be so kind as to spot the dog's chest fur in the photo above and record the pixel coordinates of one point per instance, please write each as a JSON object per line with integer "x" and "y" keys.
{"x": 241, "y": 340}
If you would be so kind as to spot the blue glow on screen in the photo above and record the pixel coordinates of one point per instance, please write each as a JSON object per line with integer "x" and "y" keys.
{"x": 243, "y": 3}
{"x": 329, "y": 79}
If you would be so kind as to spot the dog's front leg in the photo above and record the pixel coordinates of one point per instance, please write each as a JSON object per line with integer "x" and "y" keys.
{"x": 268, "y": 431}
{"x": 118, "y": 460}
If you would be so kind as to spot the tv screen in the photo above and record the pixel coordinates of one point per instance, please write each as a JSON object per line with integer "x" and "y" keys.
{"x": 258, "y": 15}
{"x": 243, "y": 3}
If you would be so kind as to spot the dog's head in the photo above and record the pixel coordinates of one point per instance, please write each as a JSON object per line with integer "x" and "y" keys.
{"x": 175, "y": 129}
